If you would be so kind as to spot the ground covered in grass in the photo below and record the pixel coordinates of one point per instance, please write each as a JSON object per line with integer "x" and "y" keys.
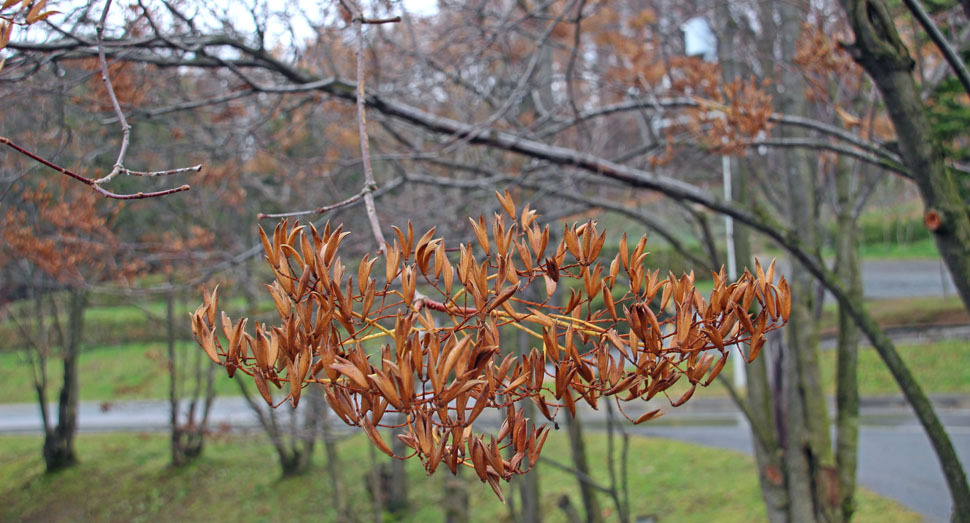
{"x": 941, "y": 368}
{"x": 115, "y": 373}
{"x": 125, "y": 477}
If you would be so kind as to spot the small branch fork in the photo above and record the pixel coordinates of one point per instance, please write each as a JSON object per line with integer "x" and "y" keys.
{"x": 370, "y": 185}
{"x": 94, "y": 184}
{"x": 320, "y": 210}
{"x": 119, "y": 167}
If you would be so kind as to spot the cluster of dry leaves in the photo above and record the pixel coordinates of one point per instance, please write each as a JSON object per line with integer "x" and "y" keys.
{"x": 379, "y": 345}
{"x": 66, "y": 235}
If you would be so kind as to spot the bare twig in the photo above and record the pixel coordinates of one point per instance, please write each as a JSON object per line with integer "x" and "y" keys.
{"x": 369, "y": 184}
{"x": 319, "y": 210}
{"x": 119, "y": 165}
{"x": 88, "y": 181}
{"x": 377, "y": 21}
{"x": 106, "y": 78}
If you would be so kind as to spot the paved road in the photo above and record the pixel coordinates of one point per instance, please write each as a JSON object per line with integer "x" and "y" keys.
{"x": 896, "y": 462}
{"x": 905, "y": 278}
{"x": 895, "y": 458}
{"x": 883, "y": 279}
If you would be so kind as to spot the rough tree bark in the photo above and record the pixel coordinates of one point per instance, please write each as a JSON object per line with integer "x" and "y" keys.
{"x": 847, "y": 387}
{"x": 810, "y": 464}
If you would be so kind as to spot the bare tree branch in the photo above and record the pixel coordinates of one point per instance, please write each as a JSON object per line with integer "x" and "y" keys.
{"x": 951, "y": 56}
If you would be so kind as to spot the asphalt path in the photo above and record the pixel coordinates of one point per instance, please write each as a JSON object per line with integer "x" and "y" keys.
{"x": 896, "y": 462}
{"x": 883, "y": 279}
{"x": 890, "y": 279}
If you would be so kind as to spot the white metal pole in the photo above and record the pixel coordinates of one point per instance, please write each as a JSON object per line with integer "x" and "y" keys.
{"x": 740, "y": 378}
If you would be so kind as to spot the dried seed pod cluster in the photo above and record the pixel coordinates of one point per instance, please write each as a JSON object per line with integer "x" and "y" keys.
{"x": 424, "y": 338}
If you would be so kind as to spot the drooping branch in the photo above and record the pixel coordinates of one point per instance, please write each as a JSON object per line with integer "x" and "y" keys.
{"x": 303, "y": 82}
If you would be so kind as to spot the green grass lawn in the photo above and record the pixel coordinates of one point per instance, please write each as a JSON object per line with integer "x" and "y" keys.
{"x": 940, "y": 367}
{"x": 125, "y": 477}
{"x": 121, "y": 372}
{"x": 920, "y": 249}
{"x": 116, "y": 324}
{"x": 923, "y": 249}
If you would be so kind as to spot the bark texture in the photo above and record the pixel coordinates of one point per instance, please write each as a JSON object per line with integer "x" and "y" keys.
{"x": 847, "y": 388}
{"x": 880, "y": 51}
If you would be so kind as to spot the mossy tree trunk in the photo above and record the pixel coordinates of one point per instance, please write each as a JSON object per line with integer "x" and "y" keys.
{"x": 881, "y": 52}
{"x": 847, "y": 387}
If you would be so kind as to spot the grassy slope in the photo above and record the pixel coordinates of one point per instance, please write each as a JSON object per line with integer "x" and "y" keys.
{"x": 132, "y": 371}
{"x": 126, "y": 478}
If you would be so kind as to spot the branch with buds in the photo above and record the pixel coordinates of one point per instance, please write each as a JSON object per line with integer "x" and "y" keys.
{"x": 376, "y": 349}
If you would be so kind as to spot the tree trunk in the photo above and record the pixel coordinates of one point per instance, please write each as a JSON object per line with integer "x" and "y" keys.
{"x": 334, "y": 474}
{"x": 880, "y": 51}
{"x": 531, "y": 511}
{"x": 188, "y": 436}
{"x": 59, "y": 443}
{"x": 179, "y": 457}
{"x": 847, "y": 387}
{"x": 295, "y": 451}
{"x": 577, "y": 447}
{"x": 812, "y": 486}
{"x": 761, "y": 400}
{"x": 39, "y": 365}
{"x": 397, "y": 492}
{"x": 762, "y": 397}
{"x": 455, "y": 500}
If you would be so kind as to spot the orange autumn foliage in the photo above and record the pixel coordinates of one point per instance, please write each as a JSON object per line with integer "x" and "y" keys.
{"x": 378, "y": 345}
